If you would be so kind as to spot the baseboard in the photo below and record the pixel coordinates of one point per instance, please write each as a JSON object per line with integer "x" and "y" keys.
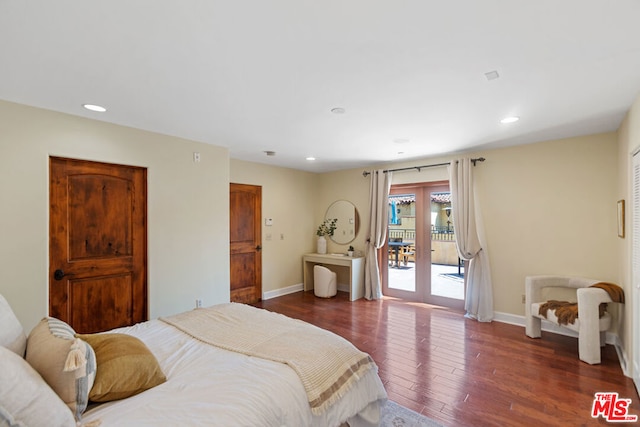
{"x": 282, "y": 291}
{"x": 622, "y": 357}
{"x": 514, "y": 319}
{"x": 611, "y": 338}
{"x": 342, "y": 287}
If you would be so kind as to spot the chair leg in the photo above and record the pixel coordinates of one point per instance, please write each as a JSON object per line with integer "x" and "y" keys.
{"x": 589, "y": 345}
{"x": 533, "y": 328}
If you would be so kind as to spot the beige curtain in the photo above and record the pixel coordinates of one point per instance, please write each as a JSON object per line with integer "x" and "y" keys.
{"x": 468, "y": 229}
{"x": 378, "y": 220}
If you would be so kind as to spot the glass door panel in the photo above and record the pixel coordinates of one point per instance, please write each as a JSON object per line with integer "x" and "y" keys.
{"x": 446, "y": 284}
{"x": 401, "y": 242}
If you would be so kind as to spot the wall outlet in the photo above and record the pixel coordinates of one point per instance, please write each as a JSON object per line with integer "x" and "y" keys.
{"x": 198, "y": 303}
{"x": 524, "y": 298}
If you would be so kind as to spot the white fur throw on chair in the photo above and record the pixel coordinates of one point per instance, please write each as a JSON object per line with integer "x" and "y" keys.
{"x": 591, "y": 328}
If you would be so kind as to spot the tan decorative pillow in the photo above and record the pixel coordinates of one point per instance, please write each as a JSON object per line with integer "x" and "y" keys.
{"x": 25, "y": 399}
{"x": 66, "y": 363}
{"x": 126, "y": 367}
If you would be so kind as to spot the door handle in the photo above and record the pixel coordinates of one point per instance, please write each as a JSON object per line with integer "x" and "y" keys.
{"x": 258, "y": 248}
{"x": 59, "y": 274}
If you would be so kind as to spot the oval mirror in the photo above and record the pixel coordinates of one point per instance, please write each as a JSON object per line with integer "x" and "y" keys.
{"x": 348, "y": 221}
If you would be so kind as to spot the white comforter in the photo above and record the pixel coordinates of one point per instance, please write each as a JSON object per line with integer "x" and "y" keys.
{"x": 208, "y": 386}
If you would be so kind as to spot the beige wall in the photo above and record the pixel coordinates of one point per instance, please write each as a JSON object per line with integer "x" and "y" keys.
{"x": 343, "y": 185}
{"x": 289, "y": 197}
{"x": 548, "y": 208}
{"x": 188, "y": 236}
{"x": 628, "y": 144}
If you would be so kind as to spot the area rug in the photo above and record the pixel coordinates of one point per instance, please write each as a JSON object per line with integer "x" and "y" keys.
{"x": 394, "y": 415}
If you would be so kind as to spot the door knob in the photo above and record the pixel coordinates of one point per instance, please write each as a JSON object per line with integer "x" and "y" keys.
{"x": 58, "y": 274}
{"x": 258, "y": 248}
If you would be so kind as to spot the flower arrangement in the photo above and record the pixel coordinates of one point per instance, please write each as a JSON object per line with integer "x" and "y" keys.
{"x": 327, "y": 227}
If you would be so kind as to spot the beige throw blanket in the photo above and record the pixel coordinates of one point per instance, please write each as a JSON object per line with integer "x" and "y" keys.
{"x": 327, "y": 364}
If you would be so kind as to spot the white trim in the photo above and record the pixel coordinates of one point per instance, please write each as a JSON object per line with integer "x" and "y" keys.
{"x": 611, "y": 338}
{"x": 622, "y": 356}
{"x": 282, "y": 291}
{"x": 514, "y": 319}
{"x": 343, "y": 287}
{"x": 634, "y": 224}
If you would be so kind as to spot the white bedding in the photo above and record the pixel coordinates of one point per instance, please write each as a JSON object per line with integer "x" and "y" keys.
{"x": 208, "y": 386}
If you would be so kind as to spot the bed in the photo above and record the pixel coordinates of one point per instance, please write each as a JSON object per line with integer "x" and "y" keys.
{"x": 233, "y": 383}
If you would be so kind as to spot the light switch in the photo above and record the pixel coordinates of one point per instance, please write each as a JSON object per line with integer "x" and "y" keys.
{"x": 268, "y": 222}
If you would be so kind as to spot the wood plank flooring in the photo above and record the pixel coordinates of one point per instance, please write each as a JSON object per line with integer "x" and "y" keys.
{"x": 464, "y": 373}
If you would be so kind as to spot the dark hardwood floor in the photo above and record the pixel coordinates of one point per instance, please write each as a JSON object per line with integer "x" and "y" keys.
{"x": 464, "y": 373}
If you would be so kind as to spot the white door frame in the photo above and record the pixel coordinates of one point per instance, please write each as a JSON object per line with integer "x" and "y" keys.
{"x": 635, "y": 268}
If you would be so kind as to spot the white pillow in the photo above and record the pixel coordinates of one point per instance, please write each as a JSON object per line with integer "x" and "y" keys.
{"x": 11, "y": 333}
{"x": 25, "y": 399}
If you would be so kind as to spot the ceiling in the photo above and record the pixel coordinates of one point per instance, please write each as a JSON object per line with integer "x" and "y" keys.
{"x": 264, "y": 75}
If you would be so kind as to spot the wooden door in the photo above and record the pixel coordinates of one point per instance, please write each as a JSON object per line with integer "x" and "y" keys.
{"x": 245, "y": 204}
{"x": 97, "y": 244}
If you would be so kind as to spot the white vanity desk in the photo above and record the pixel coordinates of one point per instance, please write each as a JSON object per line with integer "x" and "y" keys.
{"x": 354, "y": 264}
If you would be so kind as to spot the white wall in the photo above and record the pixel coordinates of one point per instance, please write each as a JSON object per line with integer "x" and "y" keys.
{"x": 188, "y": 207}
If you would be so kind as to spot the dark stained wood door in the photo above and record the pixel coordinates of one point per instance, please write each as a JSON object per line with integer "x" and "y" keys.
{"x": 97, "y": 244}
{"x": 245, "y": 205}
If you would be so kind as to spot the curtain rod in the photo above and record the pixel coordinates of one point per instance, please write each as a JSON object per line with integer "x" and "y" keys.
{"x": 479, "y": 159}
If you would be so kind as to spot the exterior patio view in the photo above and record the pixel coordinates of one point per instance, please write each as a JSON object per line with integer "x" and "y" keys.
{"x": 447, "y": 272}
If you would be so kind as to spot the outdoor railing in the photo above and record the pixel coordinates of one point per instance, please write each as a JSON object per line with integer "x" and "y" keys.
{"x": 445, "y": 233}
{"x": 402, "y": 233}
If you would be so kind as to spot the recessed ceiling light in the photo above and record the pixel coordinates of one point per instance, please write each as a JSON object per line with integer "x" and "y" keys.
{"x": 97, "y": 108}
{"x": 338, "y": 110}
{"x": 511, "y": 119}
{"x": 492, "y": 75}
{"x": 311, "y": 158}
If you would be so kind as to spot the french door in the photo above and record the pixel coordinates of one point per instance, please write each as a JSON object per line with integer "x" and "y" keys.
{"x": 421, "y": 261}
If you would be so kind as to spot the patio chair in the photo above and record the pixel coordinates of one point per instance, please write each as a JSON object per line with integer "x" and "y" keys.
{"x": 409, "y": 254}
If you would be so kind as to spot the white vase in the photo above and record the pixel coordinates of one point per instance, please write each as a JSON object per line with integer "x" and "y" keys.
{"x": 322, "y": 245}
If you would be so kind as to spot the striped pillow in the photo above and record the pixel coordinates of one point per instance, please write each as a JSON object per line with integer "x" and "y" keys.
{"x": 67, "y": 363}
